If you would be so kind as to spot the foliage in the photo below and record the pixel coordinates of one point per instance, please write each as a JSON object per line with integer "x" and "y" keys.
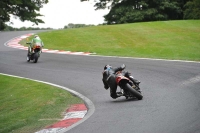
{"x": 10, "y": 28}
{"x": 129, "y": 11}
{"x": 24, "y": 9}
{"x": 192, "y": 10}
{"x": 71, "y": 25}
{"x": 123, "y": 14}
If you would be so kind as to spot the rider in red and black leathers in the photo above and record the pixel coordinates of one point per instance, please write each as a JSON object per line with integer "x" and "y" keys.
{"x": 109, "y": 79}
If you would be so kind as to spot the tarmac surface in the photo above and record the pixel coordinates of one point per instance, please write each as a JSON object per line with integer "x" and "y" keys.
{"x": 171, "y": 102}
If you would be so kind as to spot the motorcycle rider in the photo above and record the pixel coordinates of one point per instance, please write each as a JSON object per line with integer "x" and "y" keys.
{"x": 110, "y": 81}
{"x": 35, "y": 41}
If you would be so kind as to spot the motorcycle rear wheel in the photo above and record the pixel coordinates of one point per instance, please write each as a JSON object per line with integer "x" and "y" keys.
{"x": 36, "y": 56}
{"x": 133, "y": 91}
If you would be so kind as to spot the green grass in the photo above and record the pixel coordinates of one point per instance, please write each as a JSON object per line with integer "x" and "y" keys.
{"x": 163, "y": 39}
{"x": 28, "y": 106}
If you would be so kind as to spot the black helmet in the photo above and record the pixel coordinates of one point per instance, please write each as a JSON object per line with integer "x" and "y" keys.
{"x": 107, "y": 66}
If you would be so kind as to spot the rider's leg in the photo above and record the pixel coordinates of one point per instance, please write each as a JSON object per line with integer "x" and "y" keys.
{"x": 29, "y": 50}
{"x": 40, "y": 50}
{"x": 29, "y": 53}
{"x": 113, "y": 87}
{"x": 113, "y": 93}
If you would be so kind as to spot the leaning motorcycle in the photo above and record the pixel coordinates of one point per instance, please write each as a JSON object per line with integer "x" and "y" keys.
{"x": 35, "y": 54}
{"x": 128, "y": 88}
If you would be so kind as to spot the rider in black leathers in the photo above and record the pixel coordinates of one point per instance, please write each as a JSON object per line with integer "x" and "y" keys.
{"x": 110, "y": 81}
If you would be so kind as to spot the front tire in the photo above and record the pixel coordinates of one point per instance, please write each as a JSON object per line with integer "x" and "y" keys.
{"x": 133, "y": 91}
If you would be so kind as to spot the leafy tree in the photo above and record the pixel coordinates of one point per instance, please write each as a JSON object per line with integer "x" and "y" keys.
{"x": 8, "y": 28}
{"x": 124, "y": 12}
{"x": 162, "y": 10}
{"x": 192, "y": 10}
{"x": 128, "y": 11}
{"x": 24, "y": 9}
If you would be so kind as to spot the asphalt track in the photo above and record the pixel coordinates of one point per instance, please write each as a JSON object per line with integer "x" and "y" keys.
{"x": 171, "y": 89}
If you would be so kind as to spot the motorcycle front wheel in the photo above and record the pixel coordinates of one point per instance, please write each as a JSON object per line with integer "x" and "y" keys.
{"x": 135, "y": 93}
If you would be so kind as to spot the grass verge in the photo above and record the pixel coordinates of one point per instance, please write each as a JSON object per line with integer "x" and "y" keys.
{"x": 28, "y": 106}
{"x": 162, "y": 39}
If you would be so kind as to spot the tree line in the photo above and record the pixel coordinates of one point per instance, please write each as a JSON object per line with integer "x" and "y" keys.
{"x": 121, "y": 11}
{"x": 71, "y": 25}
{"x": 130, "y": 11}
{"x": 10, "y": 28}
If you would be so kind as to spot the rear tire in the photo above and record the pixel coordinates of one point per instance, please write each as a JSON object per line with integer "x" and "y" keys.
{"x": 36, "y": 56}
{"x": 133, "y": 91}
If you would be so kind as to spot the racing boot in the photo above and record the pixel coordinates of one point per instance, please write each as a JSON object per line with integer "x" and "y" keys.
{"x": 114, "y": 95}
{"x": 28, "y": 56}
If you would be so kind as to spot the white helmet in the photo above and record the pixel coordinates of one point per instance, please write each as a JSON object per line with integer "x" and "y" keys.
{"x": 36, "y": 36}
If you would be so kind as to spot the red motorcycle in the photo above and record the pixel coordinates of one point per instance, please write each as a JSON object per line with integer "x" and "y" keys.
{"x": 128, "y": 88}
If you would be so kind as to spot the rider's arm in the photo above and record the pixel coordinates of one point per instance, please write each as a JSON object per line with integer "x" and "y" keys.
{"x": 42, "y": 44}
{"x": 122, "y": 67}
{"x": 32, "y": 40}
